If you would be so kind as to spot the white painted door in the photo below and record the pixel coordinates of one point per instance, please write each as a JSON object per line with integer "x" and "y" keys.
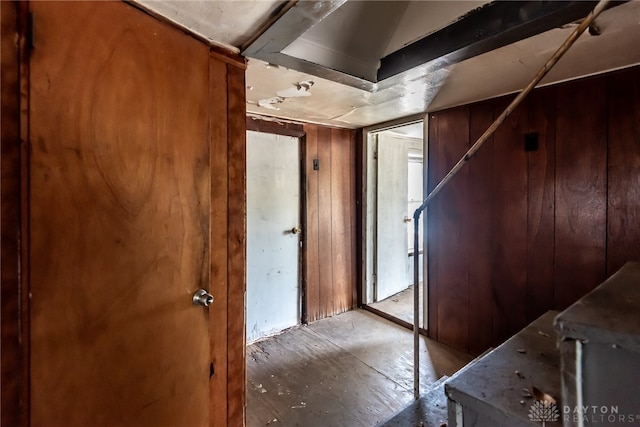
{"x": 392, "y": 248}
{"x": 273, "y": 210}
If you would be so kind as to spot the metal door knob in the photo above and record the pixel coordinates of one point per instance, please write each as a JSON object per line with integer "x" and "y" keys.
{"x": 202, "y": 298}
{"x": 296, "y": 230}
{"x": 407, "y": 219}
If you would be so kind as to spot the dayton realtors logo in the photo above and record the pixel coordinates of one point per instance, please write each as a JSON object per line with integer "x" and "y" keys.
{"x": 606, "y": 415}
{"x": 547, "y": 412}
{"x": 543, "y": 412}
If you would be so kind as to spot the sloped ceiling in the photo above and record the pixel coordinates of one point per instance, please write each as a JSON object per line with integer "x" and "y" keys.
{"x": 363, "y": 31}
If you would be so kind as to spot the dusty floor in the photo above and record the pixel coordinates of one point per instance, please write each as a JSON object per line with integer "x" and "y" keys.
{"x": 354, "y": 369}
{"x": 400, "y": 305}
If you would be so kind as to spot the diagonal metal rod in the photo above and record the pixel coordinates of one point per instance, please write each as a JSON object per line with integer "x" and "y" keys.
{"x": 564, "y": 47}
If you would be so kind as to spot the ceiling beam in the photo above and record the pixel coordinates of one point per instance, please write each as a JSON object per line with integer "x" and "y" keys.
{"x": 294, "y": 22}
{"x": 487, "y": 28}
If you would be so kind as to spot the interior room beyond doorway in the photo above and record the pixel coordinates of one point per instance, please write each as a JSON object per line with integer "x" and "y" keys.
{"x": 395, "y": 181}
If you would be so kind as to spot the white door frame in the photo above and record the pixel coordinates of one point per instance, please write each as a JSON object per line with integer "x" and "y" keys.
{"x": 369, "y": 204}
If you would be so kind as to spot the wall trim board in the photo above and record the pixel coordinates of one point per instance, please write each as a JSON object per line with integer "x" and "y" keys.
{"x": 304, "y": 315}
{"x": 235, "y": 60}
{"x": 237, "y": 241}
{"x": 360, "y": 247}
{"x": 258, "y": 124}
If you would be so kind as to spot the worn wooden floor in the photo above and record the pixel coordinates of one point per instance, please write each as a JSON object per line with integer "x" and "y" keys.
{"x": 400, "y": 305}
{"x": 354, "y": 369}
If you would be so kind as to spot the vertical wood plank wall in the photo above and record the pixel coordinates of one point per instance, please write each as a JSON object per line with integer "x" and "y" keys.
{"x": 448, "y": 233}
{"x": 521, "y": 232}
{"x": 10, "y": 158}
{"x": 330, "y": 221}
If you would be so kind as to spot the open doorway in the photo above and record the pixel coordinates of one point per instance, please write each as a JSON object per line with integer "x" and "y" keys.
{"x": 395, "y": 182}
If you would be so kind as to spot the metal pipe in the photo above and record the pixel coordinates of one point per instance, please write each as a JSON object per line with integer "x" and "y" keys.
{"x": 553, "y": 60}
{"x": 416, "y": 305}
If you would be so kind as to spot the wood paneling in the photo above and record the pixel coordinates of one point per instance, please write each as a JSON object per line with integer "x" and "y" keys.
{"x": 509, "y": 255}
{"x": 325, "y": 201}
{"x": 342, "y": 215}
{"x": 543, "y": 227}
{"x": 10, "y": 215}
{"x": 623, "y": 230}
{"x": 451, "y": 239}
{"x": 331, "y": 224}
{"x": 581, "y": 189}
{"x": 480, "y": 231}
{"x": 540, "y": 204}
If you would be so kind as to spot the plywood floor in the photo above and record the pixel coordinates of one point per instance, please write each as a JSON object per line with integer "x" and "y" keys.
{"x": 354, "y": 369}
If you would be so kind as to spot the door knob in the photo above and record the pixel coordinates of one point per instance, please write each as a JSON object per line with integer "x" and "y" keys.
{"x": 407, "y": 219}
{"x": 296, "y": 230}
{"x": 202, "y": 298}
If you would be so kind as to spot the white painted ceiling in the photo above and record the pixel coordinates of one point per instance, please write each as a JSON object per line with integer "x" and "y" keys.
{"x": 225, "y": 23}
{"x": 383, "y": 27}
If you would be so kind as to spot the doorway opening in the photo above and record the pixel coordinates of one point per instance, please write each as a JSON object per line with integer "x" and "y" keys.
{"x": 274, "y": 294}
{"x": 395, "y": 159}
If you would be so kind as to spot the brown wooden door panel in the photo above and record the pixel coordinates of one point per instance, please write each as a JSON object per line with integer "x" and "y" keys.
{"x": 119, "y": 219}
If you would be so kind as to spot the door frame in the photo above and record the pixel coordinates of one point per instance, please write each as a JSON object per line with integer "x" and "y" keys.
{"x": 260, "y": 124}
{"x": 364, "y": 223}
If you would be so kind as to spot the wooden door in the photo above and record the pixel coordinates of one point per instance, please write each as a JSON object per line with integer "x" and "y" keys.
{"x": 273, "y": 249}
{"x": 119, "y": 219}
